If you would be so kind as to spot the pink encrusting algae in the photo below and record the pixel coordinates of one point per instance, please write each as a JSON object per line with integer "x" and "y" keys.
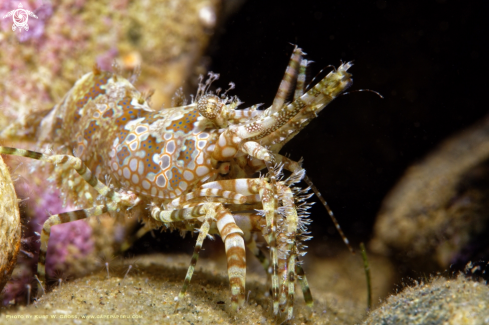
{"x": 69, "y": 37}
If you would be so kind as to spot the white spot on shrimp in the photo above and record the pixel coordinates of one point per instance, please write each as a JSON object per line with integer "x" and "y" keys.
{"x": 228, "y": 152}
{"x": 170, "y": 147}
{"x": 146, "y": 184}
{"x": 133, "y": 164}
{"x": 188, "y": 175}
{"x": 133, "y": 146}
{"x": 200, "y": 159}
{"x": 153, "y": 191}
{"x": 126, "y": 172}
{"x": 130, "y": 138}
{"x": 161, "y": 181}
{"x": 201, "y": 144}
{"x": 202, "y": 170}
{"x": 168, "y": 136}
{"x": 141, "y": 129}
{"x": 165, "y": 161}
{"x": 141, "y": 168}
{"x": 115, "y": 166}
{"x": 135, "y": 178}
{"x": 222, "y": 141}
{"x": 133, "y": 123}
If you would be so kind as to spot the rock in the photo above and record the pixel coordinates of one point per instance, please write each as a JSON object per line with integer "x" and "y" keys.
{"x": 147, "y": 295}
{"x": 437, "y": 214}
{"x": 454, "y": 301}
{"x": 10, "y": 226}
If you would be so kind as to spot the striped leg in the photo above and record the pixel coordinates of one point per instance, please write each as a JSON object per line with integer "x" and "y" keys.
{"x": 306, "y": 290}
{"x": 231, "y": 197}
{"x": 250, "y": 223}
{"x": 279, "y": 128}
{"x": 235, "y": 253}
{"x": 299, "y": 86}
{"x": 169, "y": 216}
{"x": 230, "y": 234}
{"x": 291, "y": 226}
{"x": 203, "y": 231}
{"x": 269, "y": 202}
{"x": 287, "y": 81}
{"x": 60, "y": 219}
{"x": 185, "y": 214}
{"x": 70, "y": 162}
{"x": 254, "y": 223}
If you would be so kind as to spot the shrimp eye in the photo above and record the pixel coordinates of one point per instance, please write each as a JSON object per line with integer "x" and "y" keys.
{"x": 209, "y": 106}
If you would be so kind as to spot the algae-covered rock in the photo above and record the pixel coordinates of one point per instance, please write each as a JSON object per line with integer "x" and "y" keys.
{"x": 146, "y": 296}
{"x": 440, "y": 206}
{"x": 453, "y": 302}
{"x": 10, "y": 227}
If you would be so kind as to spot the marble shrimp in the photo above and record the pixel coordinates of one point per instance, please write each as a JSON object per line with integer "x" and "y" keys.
{"x": 192, "y": 168}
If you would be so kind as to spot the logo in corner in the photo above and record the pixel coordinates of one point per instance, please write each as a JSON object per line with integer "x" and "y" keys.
{"x": 20, "y": 17}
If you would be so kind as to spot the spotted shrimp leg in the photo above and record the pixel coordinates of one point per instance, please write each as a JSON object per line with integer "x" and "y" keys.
{"x": 252, "y": 222}
{"x": 306, "y": 290}
{"x": 230, "y": 234}
{"x": 60, "y": 219}
{"x": 291, "y": 223}
{"x": 230, "y": 197}
{"x": 265, "y": 190}
{"x": 286, "y": 242}
{"x": 70, "y": 162}
{"x": 203, "y": 231}
{"x": 294, "y": 117}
